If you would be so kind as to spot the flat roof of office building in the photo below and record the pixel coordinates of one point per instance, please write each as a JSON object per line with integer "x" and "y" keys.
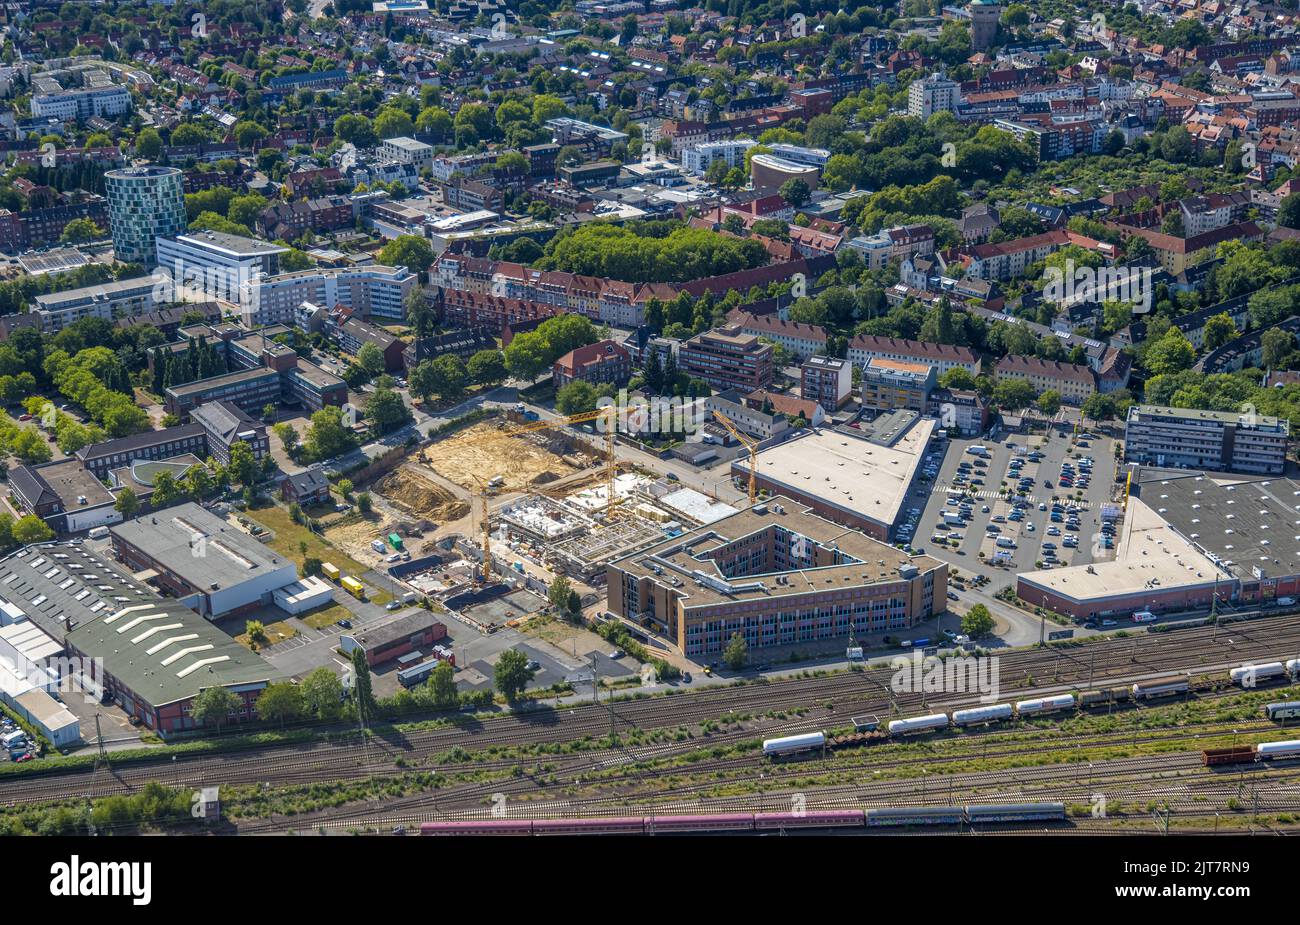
{"x": 199, "y": 547}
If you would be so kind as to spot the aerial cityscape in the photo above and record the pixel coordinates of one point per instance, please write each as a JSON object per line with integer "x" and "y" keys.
{"x": 649, "y": 417}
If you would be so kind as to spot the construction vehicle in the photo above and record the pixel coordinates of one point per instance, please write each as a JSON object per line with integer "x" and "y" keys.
{"x": 748, "y": 444}
{"x": 330, "y": 571}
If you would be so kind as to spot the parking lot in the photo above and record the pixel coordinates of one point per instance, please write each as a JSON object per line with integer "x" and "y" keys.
{"x": 1050, "y": 518}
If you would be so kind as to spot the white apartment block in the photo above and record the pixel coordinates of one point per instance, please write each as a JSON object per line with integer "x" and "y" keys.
{"x": 374, "y": 291}
{"x": 409, "y": 151}
{"x": 699, "y": 158}
{"x": 121, "y": 299}
{"x": 935, "y": 93}
{"x": 70, "y": 105}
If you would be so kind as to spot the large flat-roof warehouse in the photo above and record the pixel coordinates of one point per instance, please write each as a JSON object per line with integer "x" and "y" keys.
{"x": 857, "y": 476}
{"x": 210, "y": 564}
{"x": 778, "y": 574}
{"x": 151, "y": 655}
{"x": 1186, "y": 537}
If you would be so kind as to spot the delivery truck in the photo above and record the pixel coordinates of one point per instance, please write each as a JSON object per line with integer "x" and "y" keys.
{"x": 330, "y": 571}
{"x": 354, "y": 587}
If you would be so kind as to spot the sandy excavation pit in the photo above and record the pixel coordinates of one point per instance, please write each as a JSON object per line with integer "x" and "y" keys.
{"x": 483, "y": 452}
{"x": 419, "y": 497}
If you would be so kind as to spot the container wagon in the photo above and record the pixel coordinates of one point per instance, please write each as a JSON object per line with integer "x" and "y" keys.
{"x": 918, "y": 724}
{"x": 1161, "y": 687}
{"x": 354, "y": 587}
{"x": 789, "y": 745}
{"x": 330, "y": 571}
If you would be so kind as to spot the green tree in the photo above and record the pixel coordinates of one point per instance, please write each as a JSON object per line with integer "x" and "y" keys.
{"x": 487, "y": 367}
{"x": 736, "y": 653}
{"x": 127, "y": 504}
{"x": 31, "y": 529}
{"x": 512, "y": 674}
{"x": 243, "y": 466}
{"x": 407, "y": 250}
{"x": 1276, "y": 345}
{"x": 795, "y": 192}
{"x": 442, "y": 687}
{"x": 1172, "y": 353}
{"x": 1049, "y": 402}
{"x": 386, "y": 411}
{"x": 447, "y": 375}
{"x": 371, "y": 358}
{"x": 977, "y": 621}
{"x": 213, "y": 706}
{"x": 322, "y": 693}
{"x": 361, "y": 688}
{"x": 558, "y": 593}
{"x": 1013, "y": 394}
{"x": 327, "y": 436}
{"x": 1219, "y": 329}
{"x": 576, "y": 397}
{"x": 281, "y": 703}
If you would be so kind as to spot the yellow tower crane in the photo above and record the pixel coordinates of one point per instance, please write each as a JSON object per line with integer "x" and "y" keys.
{"x": 751, "y": 446}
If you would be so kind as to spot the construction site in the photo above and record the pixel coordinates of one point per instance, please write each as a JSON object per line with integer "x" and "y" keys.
{"x": 551, "y": 496}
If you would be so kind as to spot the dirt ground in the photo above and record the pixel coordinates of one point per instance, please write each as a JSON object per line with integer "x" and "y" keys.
{"x": 484, "y": 452}
{"x": 418, "y": 496}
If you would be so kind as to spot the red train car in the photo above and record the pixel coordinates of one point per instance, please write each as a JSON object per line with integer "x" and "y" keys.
{"x": 710, "y": 823}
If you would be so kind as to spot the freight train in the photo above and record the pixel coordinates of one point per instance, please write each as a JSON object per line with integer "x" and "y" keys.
{"x": 758, "y": 822}
{"x": 1245, "y": 754}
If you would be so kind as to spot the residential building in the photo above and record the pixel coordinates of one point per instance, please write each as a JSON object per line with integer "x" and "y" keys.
{"x": 888, "y": 385}
{"x": 728, "y": 358}
{"x": 898, "y": 243}
{"x": 799, "y": 339}
{"x": 828, "y": 381}
{"x": 408, "y": 151}
{"x": 943, "y": 357}
{"x": 127, "y": 298}
{"x": 1073, "y": 382}
{"x": 931, "y": 94}
{"x": 374, "y": 291}
{"x": 603, "y": 361}
{"x": 216, "y": 265}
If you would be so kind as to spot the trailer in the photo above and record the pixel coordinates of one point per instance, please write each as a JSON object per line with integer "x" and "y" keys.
{"x": 789, "y": 745}
{"x": 918, "y": 724}
{"x": 330, "y": 571}
{"x": 1044, "y": 705}
{"x": 976, "y": 715}
{"x": 354, "y": 587}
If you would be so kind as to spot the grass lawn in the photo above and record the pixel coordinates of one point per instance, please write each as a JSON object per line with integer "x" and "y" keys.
{"x": 288, "y": 536}
{"x": 275, "y": 632}
{"x": 326, "y": 616}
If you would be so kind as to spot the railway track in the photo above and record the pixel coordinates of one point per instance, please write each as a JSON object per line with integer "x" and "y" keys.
{"x": 1200, "y": 651}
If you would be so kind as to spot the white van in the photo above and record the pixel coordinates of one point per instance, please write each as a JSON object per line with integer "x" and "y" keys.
{"x": 98, "y": 533}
